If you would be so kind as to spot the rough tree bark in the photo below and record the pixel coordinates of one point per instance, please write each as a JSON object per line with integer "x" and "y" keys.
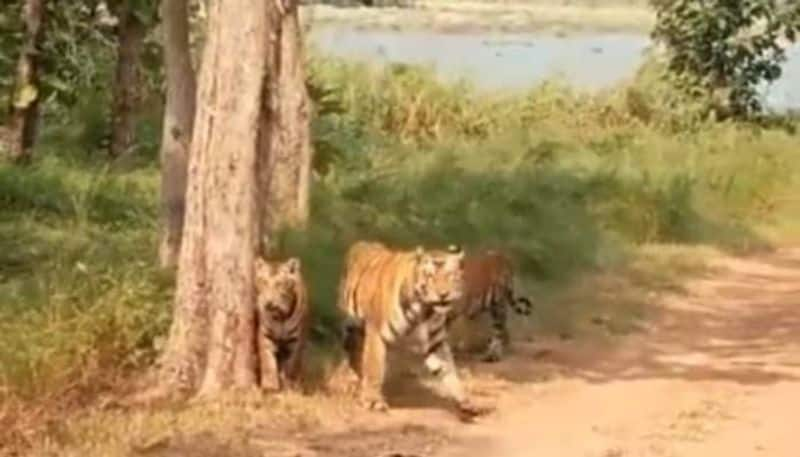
{"x": 287, "y": 185}
{"x": 177, "y": 128}
{"x": 125, "y": 91}
{"x": 211, "y": 342}
{"x": 25, "y": 109}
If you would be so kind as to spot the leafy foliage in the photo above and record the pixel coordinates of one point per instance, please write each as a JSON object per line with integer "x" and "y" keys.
{"x": 78, "y": 52}
{"x": 720, "y": 51}
{"x": 77, "y": 56}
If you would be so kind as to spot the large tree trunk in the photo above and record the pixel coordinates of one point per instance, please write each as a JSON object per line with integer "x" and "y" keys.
{"x": 25, "y": 109}
{"x": 211, "y": 345}
{"x": 289, "y": 175}
{"x": 177, "y": 129}
{"x": 130, "y": 41}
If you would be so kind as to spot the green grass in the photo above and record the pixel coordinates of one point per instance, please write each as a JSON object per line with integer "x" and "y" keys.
{"x": 77, "y": 288}
{"x": 569, "y": 184}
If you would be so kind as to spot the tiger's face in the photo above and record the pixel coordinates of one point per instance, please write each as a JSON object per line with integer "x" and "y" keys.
{"x": 439, "y": 278}
{"x": 277, "y": 286}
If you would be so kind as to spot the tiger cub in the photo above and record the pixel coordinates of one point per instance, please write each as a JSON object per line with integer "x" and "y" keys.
{"x": 489, "y": 281}
{"x": 282, "y": 313}
{"x": 386, "y": 294}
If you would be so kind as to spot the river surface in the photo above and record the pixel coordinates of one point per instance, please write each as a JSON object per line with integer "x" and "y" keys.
{"x": 518, "y": 61}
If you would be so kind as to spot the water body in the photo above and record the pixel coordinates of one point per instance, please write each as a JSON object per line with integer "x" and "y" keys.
{"x": 518, "y": 61}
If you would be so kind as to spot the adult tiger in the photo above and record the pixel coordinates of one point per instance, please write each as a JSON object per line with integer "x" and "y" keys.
{"x": 489, "y": 280}
{"x": 282, "y": 312}
{"x": 386, "y": 294}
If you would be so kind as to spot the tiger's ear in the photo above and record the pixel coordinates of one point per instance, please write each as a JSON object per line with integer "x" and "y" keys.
{"x": 456, "y": 249}
{"x": 292, "y": 266}
{"x": 419, "y": 252}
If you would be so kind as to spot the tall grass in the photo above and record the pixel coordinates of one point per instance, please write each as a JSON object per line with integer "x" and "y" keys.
{"x": 564, "y": 181}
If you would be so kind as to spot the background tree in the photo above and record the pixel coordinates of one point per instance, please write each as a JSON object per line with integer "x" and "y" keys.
{"x": 134, "y": 18}
{"x": 211, "y": 344}
{"x": 720, "y": 51}
{"x": 77, "y": 66}
{"x": 179, "y": 112}
{"x": 288, "y": 125}
{"x": 25, "y": 100}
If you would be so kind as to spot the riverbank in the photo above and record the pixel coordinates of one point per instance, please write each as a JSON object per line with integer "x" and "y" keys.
{"x": 504, "y": 61}
{"x": 457, "y": 16}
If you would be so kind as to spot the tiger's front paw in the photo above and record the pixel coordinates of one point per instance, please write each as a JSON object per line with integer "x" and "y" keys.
{"x": 291, "y": 384}
{"x": 270, "y": 384}
{"x": 374, "y": 403}
{"x": 469, "y": 411}
{"x": 491, "y": 356}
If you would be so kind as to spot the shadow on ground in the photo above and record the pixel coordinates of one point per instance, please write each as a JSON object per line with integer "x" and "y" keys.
{"x": 400, "y": 441}
{"x": 742, "y": 325}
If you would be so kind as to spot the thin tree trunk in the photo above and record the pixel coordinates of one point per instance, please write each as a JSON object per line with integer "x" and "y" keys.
{"x": 25, "y": 109}
{"x": 289, "y": 136}
{"x": 177, "y": 129}
{"x": 211, "y": 345}
{"x": 130, "y": 41}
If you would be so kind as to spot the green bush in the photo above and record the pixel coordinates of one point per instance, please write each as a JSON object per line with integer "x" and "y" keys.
{"x": 719, "y": 52}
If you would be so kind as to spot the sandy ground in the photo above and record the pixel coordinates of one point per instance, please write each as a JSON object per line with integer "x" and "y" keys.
{"x": 715, "y": 373}
{"x": 718, "y": 375}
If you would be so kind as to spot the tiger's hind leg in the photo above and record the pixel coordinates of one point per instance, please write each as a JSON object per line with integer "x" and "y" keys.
{"x": 373, "y": 367}
{"x": 353, "y": 344}
{"x": 499, "y": 339}
{"x": 347, "y": 374}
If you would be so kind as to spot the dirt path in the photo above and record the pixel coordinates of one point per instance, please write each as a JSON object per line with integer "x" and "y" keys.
{"x": 718, "y": 375}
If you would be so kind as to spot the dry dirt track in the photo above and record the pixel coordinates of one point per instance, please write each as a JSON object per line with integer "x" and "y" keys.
{"x": 718, "y": 375}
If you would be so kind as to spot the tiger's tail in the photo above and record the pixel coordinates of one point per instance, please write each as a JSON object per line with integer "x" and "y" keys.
{"x": 522, "y": 305}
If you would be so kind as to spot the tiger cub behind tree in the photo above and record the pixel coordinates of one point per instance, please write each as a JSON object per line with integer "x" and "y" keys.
{"x": 282, "y": 313}
{"x": 387, "y": 294}
{"x": 489, "y": 280}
